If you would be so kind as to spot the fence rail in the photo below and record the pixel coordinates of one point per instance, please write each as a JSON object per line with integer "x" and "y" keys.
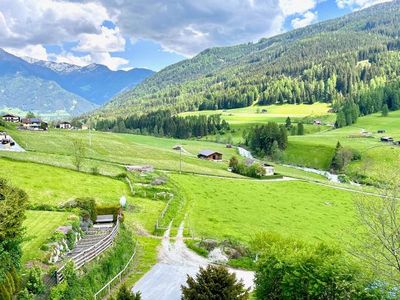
{"x": 107, "y": 286}
{"x": 90, "y": 253}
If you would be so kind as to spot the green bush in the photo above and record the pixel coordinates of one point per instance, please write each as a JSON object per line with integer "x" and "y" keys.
{"x": 108, "y": 210}
{"x": 125, "y": 294}
{"x": 289, "y": 269}
{"x": 34, "y": 282}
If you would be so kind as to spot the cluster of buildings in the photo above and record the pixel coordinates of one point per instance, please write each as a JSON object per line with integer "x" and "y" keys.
{"x": 37, "y": 123}
{"x": 26, "y": 123}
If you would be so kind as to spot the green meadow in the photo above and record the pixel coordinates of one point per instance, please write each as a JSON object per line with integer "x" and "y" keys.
{"x": 238, "y": 209}
{"x": 109, "y": 152}
{"x": 316, "y": 150}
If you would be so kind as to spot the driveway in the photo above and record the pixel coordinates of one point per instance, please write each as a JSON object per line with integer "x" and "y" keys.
{"x": 15, "y": 148}
{"x": 176, "y": 261}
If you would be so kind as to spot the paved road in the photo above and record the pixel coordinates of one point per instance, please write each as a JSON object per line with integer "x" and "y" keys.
{"x": 15, "y": 148}
{"x": 176, "y": 261}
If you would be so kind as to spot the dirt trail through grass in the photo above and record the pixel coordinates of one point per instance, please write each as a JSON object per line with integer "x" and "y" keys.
{"x": 176, "y": 261}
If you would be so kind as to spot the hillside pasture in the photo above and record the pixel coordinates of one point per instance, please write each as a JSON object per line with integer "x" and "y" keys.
{"x": 316, "y": 150}
{"x": 261, "y": 114}
{"x": 237, "y": 209}
{"x": 109, "y": 152}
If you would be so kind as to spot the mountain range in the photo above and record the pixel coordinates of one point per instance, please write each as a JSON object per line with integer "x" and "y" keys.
{"x": 60, "y": 89}
{"x": 331, "y": 61}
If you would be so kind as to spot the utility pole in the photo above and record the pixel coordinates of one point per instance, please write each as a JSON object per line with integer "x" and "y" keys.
{"x": 180, "y": 160}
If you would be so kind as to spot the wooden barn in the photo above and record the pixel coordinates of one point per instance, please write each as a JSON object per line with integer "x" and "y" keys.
{"x": 209, "y": 155}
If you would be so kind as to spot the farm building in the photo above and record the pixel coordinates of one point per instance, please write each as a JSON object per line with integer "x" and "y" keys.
{"x": 84, "y": 127}
{"x": 64, "y": 125}
{"x": 33, "y": 124}
{"x": 386, "y": 139}
{"x": 209, "y": 155}
{"x": 11, "y": 118}
{"x": 177, "y": 147}
{"x": 269, "y": 170}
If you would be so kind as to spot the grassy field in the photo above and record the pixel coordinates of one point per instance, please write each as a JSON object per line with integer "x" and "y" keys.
{"x": 316, "y": 150}
{"x": 229, "y": 208}
{"x": 108, "y": 152}
{"x": 277, "y": 113}
{"x": 52, "y": 185}
{"x": 39, "y": 226}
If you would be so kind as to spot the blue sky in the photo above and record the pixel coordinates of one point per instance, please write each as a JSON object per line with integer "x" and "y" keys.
{"x": 150, "y": 33}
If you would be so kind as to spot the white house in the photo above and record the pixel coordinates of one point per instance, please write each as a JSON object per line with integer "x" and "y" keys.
{"x": 64, "y": 125}
{"x": 11, "y": 118}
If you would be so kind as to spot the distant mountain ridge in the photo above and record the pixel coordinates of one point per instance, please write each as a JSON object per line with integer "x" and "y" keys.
{"x": 57, "y": 86}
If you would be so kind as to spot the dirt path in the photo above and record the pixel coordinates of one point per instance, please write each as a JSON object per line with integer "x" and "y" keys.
{"x": 176, "y": 261}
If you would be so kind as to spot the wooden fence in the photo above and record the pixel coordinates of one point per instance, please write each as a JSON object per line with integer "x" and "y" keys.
{"x": 106, "y": 289}
{"x": 90, "y": 253}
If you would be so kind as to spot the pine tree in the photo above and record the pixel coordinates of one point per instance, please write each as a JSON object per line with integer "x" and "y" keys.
{"x": 385, "y": 110}
{"x": 288, "y": 123}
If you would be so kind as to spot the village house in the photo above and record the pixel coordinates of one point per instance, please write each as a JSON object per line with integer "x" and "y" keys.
{"x": 64, "y": 125}
{"x": 33, "y": 124}
{"x": 209, "y": 155}
{"x": 84, "y": 127}
{"x": 11, "y": 118}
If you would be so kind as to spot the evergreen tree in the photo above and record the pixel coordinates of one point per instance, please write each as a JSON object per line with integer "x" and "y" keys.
{"x": 385, "y": 110}
{"x": 288, "y": 123}
{"x": 300, "y": 128}
{"x": 214, "y": 282}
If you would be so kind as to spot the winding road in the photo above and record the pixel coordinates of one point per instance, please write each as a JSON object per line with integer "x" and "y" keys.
{"x": 176, "y": 261}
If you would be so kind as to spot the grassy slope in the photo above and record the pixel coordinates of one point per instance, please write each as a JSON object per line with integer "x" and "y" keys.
{"x": 39, "y": 226}
{"x": 278, "y": 113}
{"x": 52, "y": 185}
{"x": 109, "y": 151}
{"x": 312, "y": 150}
{"x": 228, "y": 208}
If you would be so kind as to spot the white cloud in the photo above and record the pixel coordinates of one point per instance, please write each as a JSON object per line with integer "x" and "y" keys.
{"x": 307, "y": 18}
{"x": 292, "y": 7}
{"x": 187, "y": 26}
{"x": 33, "y": 51}
{"x": 32, "y": 22}
{"x": 108, "y": 40}
{"x": 358, "y": 4}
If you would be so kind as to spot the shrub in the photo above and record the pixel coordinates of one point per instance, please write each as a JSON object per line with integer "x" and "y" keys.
{"x": 125, "y": 294}
{"x": 290, "y": 268}
{"x": 214, "y": 282}
{"x": 108, "y": 210}
{"x": 34, "y": 283}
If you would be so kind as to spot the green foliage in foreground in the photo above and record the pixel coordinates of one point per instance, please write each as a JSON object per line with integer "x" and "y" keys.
{"x": 96, "y": 274}
{"x": 290, "y": 269}
{"x": 214, "y": 282}
{"x": 13, "y": 203}
{"x": 125, "y": 294}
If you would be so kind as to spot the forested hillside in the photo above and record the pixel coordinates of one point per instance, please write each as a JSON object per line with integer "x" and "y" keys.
{"x": 351, "y": 62}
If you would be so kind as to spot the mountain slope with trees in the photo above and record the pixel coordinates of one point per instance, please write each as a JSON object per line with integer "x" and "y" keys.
{"x": 353, "y": 59}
